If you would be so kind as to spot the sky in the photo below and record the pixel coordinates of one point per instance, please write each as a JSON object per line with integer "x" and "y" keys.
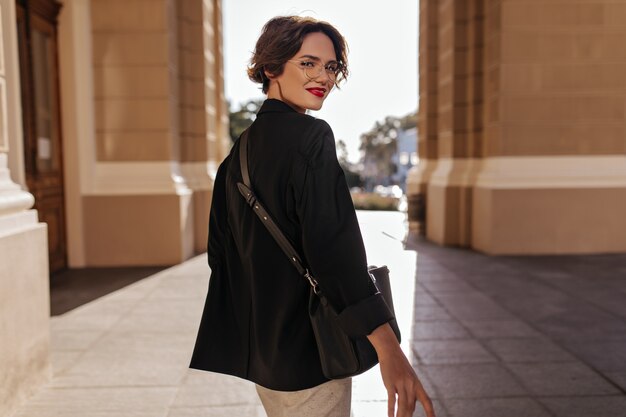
{"x": 382, "y": 41}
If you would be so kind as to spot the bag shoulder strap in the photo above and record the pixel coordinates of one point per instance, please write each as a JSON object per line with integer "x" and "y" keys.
{"x": 252, "y": 200}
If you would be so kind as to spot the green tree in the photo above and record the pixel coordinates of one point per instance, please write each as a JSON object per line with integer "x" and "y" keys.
{"x": 353, "y": 178}
{"x": 379, "y": 145}
{"x": 242, "y": 118}
{"x": 409, "y": 121}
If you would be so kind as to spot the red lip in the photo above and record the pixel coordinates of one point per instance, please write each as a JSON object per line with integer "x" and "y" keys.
{"x": 319, "y": 92}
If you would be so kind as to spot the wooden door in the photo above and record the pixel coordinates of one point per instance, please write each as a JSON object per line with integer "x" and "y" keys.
{"x": 37, "y": 39}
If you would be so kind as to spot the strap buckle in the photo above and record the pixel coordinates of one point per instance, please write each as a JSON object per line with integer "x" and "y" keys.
{"x": 312, "y": 281}
{"x": 247, "y": 193}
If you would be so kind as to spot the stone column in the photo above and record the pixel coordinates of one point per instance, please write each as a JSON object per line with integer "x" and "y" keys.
{"x": 221, "y": 121}
{"x": 419, "y": 176}
{"x": 530, "y": 116}
{"x": 203, "y": 110}
{"x": 449, "y": 193}
{"x": 193, "y": 113}
{"x": 24, "y": 288}
{"x": 138, "y": 208}
{"x": 554, "y": 174}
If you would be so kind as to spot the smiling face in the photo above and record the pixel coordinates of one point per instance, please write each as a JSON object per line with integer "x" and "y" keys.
{"x": 293, "y": 86}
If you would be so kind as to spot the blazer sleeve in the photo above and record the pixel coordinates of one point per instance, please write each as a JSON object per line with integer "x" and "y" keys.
{"x": 331, "y": 238}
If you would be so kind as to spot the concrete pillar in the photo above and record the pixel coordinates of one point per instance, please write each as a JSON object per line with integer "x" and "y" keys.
{"x": 204, "y": 113}
{"x": 554, "y": 175}
{"x": 419, "y": 176}
{"x": 530, "y": 116}
{"x": 24, "y": 288}
{"x": 145, "y": 127}
{"x": 138, "y": 208}
{"x": 449, "y": 192}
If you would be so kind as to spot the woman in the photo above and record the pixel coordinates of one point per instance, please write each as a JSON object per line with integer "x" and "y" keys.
{"x": 255, "y": 323}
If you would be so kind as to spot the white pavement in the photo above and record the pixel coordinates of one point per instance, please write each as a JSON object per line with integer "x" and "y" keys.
{"x": 126, "y": 354}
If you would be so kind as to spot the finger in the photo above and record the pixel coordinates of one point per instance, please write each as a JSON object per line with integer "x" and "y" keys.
{"x": 406, "y": 402}
{"x": 427, "y": 404}
{"x": 429, "y": 408}
{"x": 401, "y": 402}
{"x": 391, "y": 403}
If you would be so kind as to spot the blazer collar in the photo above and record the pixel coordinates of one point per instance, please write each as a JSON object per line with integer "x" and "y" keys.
{"x": 272, "y": 105}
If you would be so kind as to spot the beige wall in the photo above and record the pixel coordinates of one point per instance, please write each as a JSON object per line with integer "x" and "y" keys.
{"x": 24, "y": 293}
{"x": 529, "y": 103}
{"x": 558, "y": 85}
{"x": 556, "y": 221}
{"x": 148, "y": 230}
{"x": 133, "y": 80}
{"x": 24, "y": 313}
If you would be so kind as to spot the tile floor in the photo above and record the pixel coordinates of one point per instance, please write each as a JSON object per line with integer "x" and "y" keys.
{"x": 489, "y": 336}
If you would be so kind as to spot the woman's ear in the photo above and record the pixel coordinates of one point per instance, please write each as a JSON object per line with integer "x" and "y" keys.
{"x": 269, "y": 75}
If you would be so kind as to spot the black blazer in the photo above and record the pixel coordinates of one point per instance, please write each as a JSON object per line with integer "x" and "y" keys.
{"x": 255, "y": 323}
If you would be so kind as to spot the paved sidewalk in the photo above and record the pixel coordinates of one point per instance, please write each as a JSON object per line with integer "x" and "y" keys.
{"x": 490, "y": 336}
{"x": 521, "y": 336}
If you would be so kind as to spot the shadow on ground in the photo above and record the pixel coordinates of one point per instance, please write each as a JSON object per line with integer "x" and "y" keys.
{"x": 520, "y": 335}
{"x": 72, "y": 288}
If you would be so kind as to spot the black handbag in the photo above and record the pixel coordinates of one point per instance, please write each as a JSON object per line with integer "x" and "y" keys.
{"x": 340, "y": 355}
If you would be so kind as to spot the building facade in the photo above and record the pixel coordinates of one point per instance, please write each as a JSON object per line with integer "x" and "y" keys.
{"x": 522, "y": 124}
{"x": 113, "y": 121}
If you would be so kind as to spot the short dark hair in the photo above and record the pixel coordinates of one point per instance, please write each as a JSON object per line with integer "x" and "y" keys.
{"x": 282, "y": 37}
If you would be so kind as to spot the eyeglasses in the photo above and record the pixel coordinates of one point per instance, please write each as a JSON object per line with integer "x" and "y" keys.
{"x": 313, "y": 69}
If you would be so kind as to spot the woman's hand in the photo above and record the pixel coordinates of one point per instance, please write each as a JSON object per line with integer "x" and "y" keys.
{"x": 403, "y": 386}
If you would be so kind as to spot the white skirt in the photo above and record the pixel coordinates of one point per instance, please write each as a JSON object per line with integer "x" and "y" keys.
{"x": 330, "y": 399}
